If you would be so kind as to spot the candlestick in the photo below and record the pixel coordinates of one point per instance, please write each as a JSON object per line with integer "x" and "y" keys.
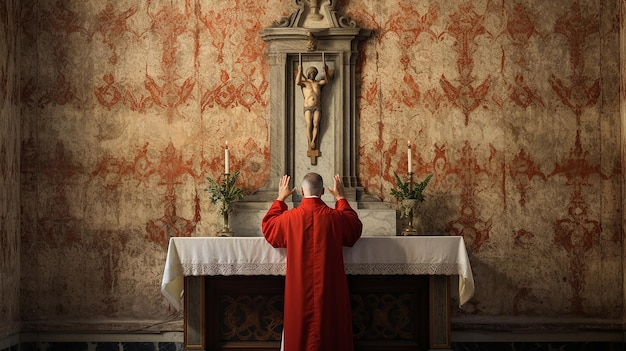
{"x": 409, "y": 161}
{"x": 226, "y": 160}
{"x": 323, "y": 59}
{"x": 300, "y": 59}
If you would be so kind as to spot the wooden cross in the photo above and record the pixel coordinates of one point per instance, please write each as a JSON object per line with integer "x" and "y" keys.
{"x": 313, "y": 154}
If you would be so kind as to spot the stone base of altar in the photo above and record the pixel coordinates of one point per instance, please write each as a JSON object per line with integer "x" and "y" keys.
{"x": 389, "y": 312}
{"x": 378, "y": 218}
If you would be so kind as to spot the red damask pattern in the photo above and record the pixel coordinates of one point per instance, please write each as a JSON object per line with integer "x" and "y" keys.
{"x": 206, "y": 60}
{"x": 523, "y": 95}
{"x": 408, "y": 24}
{"x": 111, "y": 26}
{"x": 577, "y": 233}
{"x": 522, "y": 170}
{"x": 233, "y": 27}
{"x": 170, "y": 170}
{"x": 228, "y": 94}
{"x": 471, "y": 177}
{"x": 168, "y": 91}
{"x": 577, "y": 92}
{"x": 581, "y": 91}
{"x": 465, "y": 27}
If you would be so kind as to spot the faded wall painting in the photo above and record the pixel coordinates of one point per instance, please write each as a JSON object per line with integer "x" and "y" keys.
{"x": 126, "y": 107}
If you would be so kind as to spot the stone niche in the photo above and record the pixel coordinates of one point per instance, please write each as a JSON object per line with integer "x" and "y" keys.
{"x": 314, "y": 33}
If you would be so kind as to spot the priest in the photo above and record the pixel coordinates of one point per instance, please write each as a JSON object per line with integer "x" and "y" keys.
{"x": 317, "y": 312}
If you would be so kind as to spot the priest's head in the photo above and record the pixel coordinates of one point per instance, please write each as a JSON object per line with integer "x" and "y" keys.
{"x": 312, "y": 185}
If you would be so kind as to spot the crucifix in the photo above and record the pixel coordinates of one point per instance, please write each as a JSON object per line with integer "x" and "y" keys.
{"x": 313, "y": 154}
{"x": 312, "y": 94}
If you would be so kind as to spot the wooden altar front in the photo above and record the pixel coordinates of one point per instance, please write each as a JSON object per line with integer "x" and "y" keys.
{"x": 399, "y": 287}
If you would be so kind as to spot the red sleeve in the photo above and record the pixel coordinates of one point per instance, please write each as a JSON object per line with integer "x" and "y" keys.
{"x": 352, "y": 224}
{"x": 271, "y": 227}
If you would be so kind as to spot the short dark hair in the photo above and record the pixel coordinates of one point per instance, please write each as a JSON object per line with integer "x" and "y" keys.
{"x": 313, "y": 184}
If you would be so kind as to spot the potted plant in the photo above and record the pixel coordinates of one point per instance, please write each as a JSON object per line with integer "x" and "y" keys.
{"x": 225, "y": 192}
{"x": 409, "y": 194}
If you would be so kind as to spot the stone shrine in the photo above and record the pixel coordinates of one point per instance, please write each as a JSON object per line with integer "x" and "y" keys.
{"x": 314, "y": 36}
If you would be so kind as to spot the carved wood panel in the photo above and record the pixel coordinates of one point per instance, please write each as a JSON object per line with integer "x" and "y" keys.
{"x": 389, "y": 312}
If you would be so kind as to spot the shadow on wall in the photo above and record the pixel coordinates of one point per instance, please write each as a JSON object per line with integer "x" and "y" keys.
{"x": 432, "y": 216}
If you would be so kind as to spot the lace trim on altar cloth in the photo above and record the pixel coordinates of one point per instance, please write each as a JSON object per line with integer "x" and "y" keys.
{"x": 233, "y": 269}
{"x": 402, "y": 268}
{"x": 198, "y": 269}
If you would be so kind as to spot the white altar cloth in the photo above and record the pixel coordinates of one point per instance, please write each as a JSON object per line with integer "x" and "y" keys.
{"x": 371, "y": 255}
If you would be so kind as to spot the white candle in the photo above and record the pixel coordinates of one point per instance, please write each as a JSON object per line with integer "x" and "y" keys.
{"x": 226, "y": 160}
{"x": 409, "y": 161}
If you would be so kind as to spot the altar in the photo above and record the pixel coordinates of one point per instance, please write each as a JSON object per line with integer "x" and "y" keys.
{"x": 231, "y": 291}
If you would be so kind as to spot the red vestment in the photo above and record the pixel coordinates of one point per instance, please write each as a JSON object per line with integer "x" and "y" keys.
{"x": 317, "y": 302}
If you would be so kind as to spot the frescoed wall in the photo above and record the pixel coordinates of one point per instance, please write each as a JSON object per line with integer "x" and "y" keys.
{"x": 9, "y": 169}
{"x": 514, "y": 108}
{"x": 126, "y": 106}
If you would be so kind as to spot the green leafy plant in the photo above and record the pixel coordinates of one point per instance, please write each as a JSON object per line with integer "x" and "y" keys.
{"x": 225, "y": 192}
{"x": 410, "y": 190}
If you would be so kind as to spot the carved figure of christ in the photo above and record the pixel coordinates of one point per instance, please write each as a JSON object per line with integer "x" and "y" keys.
{"x": 312, "y": 94}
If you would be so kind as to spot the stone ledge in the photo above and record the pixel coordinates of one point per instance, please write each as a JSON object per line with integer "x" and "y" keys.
{"x": 247, "y": 218}
{"x": 536, "y": 329}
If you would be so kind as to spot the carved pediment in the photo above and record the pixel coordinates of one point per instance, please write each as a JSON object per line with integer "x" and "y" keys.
{"x": 314, "y": 14}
